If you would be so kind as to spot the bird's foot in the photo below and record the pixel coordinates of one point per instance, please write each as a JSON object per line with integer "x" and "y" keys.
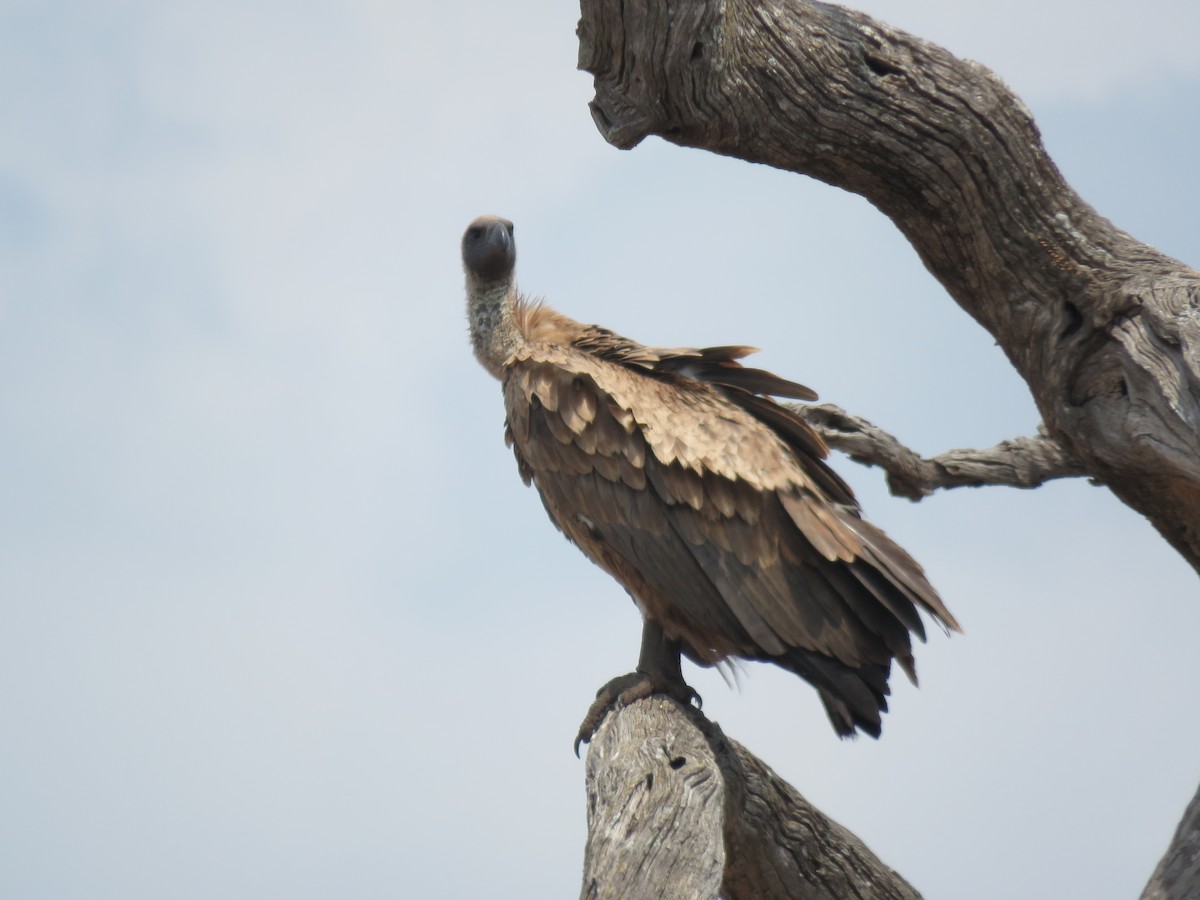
{"x": 626, "y": 689}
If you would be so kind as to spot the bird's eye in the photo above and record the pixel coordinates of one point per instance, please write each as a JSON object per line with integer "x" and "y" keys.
{"x": 475, "y": 233}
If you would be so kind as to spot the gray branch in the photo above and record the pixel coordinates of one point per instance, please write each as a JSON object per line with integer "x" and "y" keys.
{"x": 1025, "y": 462}
{"x": 1178, "y": 873}
{"x": 676, "y": 809}
{"x": 1102, "y": 327}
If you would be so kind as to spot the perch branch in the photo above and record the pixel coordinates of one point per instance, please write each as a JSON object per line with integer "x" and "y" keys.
{"x": 677, "y": 809}
{"x": 1102, "y": 327}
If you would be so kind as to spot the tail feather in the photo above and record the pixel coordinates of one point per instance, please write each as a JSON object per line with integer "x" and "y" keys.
{"x": 891, "y": 560}
{"x": 854, "y": 698}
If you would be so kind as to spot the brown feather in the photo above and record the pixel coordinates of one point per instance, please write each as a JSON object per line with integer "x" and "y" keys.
{"x": 720, "y": 495}
{"x": 831, "y": 539}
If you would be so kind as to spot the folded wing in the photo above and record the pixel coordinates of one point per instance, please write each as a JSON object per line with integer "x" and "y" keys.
{"x": 713, "y": 506}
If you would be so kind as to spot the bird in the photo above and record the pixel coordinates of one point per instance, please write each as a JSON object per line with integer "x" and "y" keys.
{"x": 678, "y": 472}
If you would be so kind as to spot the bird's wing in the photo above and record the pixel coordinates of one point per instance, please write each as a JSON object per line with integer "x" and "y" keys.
{"x": 748, "y": 387}
{"x": 710, "y": 520}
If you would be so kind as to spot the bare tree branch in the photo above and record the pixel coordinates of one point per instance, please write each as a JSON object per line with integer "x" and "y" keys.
{"x": 1025, "y": 462}
{"x": 1178, "y": 873}
{"x": 1102, "y": 327}
{"x": 676, "y": 809}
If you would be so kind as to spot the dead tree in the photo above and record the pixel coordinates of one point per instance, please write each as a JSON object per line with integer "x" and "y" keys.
{"x": 1104, "y": 329}
{"x": 676, "y": 809}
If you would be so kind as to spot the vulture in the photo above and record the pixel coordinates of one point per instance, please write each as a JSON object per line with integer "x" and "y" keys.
{"x": 676, "y": 472}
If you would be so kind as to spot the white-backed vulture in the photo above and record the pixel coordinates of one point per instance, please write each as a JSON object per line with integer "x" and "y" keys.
{"x": 674, "y": 471}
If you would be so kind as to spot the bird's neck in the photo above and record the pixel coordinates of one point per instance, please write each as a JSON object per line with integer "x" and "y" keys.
{"x": 494, "y": 331}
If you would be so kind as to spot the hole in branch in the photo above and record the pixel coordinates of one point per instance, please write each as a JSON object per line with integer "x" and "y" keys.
{"x": 677, "y": 762}
{"x": 880, "y": 66}
{"x": 697, "y": 51}
{"x": 1074, "y": 320}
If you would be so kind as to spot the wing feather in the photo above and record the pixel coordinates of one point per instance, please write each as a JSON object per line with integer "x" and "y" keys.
{"x": 720, "y": 495}
{"x": 890, "y": 560}
{"x": 812, "y": 516}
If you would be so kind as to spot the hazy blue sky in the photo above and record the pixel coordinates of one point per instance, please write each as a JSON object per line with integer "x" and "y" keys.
{"x": 279, "y": 618}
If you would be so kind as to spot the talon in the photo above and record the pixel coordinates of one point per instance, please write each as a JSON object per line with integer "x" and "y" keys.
{"x": 625, "y": 690}
{"x": 620, "y": 691}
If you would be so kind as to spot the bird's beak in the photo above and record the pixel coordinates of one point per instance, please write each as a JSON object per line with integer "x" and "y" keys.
{"x": 497, "y": 232}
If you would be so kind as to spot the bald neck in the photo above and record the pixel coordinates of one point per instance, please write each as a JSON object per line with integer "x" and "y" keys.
{"x": 490, "y": 311}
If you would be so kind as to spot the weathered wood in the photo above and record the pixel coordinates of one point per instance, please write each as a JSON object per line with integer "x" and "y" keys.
{"x": 1103, "y": 328}
{"x": 655, "y": 798}
{"x": 1177, "y": 876}
{"x": 677, "y": 810}
{"x": 1025, "y": 462}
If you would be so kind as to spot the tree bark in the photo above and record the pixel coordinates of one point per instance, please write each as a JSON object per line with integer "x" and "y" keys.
{"x": 678, "y": 810}
{"x": 1026, "y": 462}
{"x": 1177, "y": 876}
{"x": 1104, "y": 329}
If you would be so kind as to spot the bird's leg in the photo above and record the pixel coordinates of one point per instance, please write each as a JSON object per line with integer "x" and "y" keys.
{"x": 658, "y": 672}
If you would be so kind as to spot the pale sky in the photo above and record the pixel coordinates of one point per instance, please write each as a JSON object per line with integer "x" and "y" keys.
{"x": 279, "y": 617}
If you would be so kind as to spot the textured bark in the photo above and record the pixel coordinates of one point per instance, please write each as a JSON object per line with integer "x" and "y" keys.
{"x": 1025, "y": 462}
{"x": 1178, "y": 874}
{"x": 1104, "y": 329}
{"x": 677, "y": 810}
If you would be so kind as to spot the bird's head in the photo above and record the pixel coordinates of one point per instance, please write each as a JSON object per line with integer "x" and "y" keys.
{"x": 488, "y": 250}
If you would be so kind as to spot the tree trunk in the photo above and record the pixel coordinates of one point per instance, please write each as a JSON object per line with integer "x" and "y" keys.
{"x": 1104, "y": 329}
{"x": 678, "y": 810}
